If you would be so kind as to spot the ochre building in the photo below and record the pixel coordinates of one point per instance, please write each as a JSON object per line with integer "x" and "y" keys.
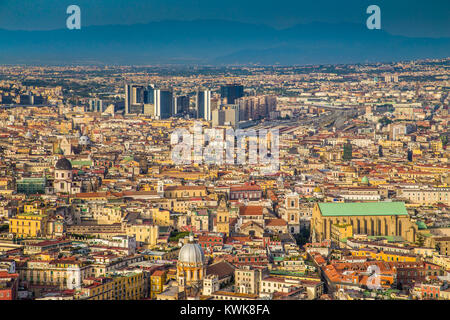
{"x": 370, "y": 218}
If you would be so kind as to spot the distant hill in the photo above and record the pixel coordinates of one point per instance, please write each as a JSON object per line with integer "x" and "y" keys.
{"x": 215, "y": 42}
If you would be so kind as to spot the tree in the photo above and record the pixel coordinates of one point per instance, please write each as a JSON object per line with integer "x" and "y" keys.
{"x": 438, "y": 247}
{"x": 420, "y": 240}
{"x": 385, "y": 121}
{"x": 444, "y": 139}
{"x": 410, "y": 156}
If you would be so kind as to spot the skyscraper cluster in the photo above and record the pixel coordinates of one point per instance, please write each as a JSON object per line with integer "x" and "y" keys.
{"x": 252, "y": 108}
{"x": 96, "y": 105}
{"x": 161, "y": 103}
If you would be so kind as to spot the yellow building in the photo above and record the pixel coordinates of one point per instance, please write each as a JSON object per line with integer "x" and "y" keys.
{"x": 159, "y": 124}
{"x": 34, "y": 208}
{"x": 145, "y": 233}
{"x": 172, "y": 192}
{"x": 61, "y": 273}
{"x": 107, "y": 214}
{"x": 128, "y": 286}
{"x": 436, "y": 145}
{"x": 179, "y": 174}
{"x": 28, "y": 225}
{"x": 443, "y": 261}
{"x": 268, "y": 184}
{"x": 442, "y": 244}
{"x": 191, "y": 264}
{"x": 161, "y": 217}
{"x": 157, "y": 281}
{"x": 6, "y": 186}
{"x": 390, "y": 144}
{"x": 426, "y": 196}
{"x": 117, "y": 286}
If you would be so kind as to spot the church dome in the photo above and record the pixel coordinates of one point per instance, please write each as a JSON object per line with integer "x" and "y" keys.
{"x": 63, "y": 164}
{"x": 365, "y": 180}
{"x": 84, "y": 140}
{"x": 191, "y": 253}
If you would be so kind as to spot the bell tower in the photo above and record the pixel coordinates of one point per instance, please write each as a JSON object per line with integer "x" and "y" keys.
{"x": 160, "y": 188}
{"x": 291, "y": 212}
{"x": 223, "y": 217}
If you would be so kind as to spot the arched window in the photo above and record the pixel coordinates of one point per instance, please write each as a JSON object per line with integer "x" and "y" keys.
{"x": 329, "y": 227}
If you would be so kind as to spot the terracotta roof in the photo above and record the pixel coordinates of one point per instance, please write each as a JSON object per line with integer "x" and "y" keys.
{"x": 158, "y": 273}
{"x": 180, "y": 188}
{"x": 275, "y": 223}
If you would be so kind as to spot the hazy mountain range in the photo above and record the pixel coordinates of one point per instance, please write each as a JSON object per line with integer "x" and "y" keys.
{"x": 215, "y": 42}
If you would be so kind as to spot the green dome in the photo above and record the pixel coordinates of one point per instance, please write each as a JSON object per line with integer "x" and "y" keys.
{"x": 365, "y": 180}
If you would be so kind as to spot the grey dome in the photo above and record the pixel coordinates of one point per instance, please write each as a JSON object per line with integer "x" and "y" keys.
{"x": 191, "y": 253}
{"x": 63, "y": 164}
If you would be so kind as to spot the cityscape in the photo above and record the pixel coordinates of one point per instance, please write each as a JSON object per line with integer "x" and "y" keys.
{"x": 249, "y": 182}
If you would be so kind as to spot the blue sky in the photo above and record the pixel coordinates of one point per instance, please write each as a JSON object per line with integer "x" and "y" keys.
{"x": 401, "y": 17}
